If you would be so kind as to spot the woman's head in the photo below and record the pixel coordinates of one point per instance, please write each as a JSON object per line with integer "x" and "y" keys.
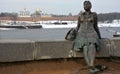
{"x": 87, "y": 5}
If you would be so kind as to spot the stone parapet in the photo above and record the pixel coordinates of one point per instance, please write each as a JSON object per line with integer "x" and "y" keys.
{"x": 25, "y": 50}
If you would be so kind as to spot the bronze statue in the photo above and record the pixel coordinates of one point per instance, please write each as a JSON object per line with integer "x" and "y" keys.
{"x": 88, "y": 36}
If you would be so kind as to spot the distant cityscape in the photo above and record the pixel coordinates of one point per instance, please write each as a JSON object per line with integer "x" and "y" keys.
{"x": 26, "y": 13}
{"x": 38, "y": 15}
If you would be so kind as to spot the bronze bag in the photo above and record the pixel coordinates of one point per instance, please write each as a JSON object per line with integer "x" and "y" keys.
{"x": 71, "y": 34}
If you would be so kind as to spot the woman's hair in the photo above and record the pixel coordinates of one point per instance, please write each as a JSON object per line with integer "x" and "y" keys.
{"x": 87, "y": 1}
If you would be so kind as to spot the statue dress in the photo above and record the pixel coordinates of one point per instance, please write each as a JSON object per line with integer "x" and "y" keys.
{"x": 87, "y": 33}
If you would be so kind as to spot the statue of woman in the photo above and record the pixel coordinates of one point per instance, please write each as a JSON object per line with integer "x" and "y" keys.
{"x": 88, "y": 36}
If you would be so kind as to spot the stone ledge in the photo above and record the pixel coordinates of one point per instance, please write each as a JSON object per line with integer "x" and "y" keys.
{"x": 24, "y": 50}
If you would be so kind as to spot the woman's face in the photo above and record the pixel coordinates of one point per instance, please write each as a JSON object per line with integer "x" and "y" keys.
{"x": 87, "y": 6}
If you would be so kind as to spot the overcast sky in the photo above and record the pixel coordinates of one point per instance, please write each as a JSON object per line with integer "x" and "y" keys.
{"x": 59, "y": 6}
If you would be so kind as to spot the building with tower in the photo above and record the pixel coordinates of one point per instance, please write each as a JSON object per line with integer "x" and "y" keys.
{"x": 24, "y": 13}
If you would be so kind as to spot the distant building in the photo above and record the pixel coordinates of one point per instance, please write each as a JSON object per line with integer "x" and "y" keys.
{"x": 38, "y": 13}
{"x": 24, "y": 13}
{"x": 46, "y": 15}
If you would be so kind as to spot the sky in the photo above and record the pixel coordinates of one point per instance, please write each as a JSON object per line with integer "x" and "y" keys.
{"x": 61, "y": 7}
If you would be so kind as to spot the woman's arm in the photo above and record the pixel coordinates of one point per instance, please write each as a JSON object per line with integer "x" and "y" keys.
{"x": 78, "y": 24}
{"x": 96, "y": 25}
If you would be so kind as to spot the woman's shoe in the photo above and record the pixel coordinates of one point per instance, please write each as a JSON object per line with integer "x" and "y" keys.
{"x": 93, "y": 70}
{"x": 101, "y": 67}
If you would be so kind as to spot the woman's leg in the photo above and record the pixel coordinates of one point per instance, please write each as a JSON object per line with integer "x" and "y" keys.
{"x": 86, "y": 55}
{"x": 89, "y": 54}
